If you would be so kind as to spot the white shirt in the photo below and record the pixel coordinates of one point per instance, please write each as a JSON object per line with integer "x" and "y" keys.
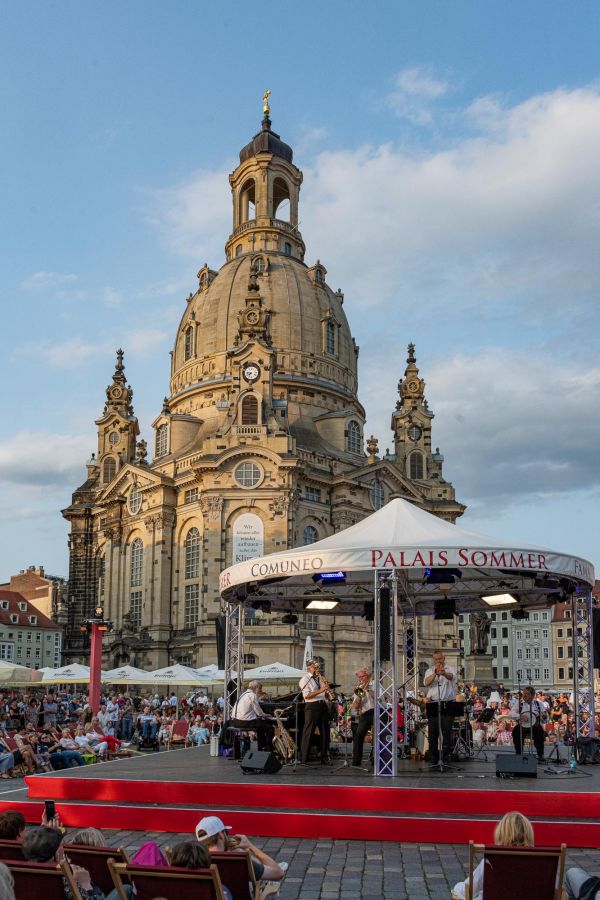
{"x": 447, "y": 689}
{"x": 248, "y": 708}
{"x": 309, "y": 683}
{"x": 458, "y": 891}
{"x": 367, "y": 701}
{"x": 535, "y": 708}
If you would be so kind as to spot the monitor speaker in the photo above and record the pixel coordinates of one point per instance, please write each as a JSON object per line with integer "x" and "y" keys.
{"x": 260, "y": 762}
{"x": 512, "y": 765}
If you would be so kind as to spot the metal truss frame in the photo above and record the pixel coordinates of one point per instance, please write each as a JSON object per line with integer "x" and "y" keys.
{"x": 409, "y": 670}
{"x": 385, "y": 731}
{"x": 234, "y": 655}
{"x": 583, "y": 663}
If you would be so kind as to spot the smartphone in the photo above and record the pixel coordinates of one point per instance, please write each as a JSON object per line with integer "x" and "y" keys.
{"x": 50, "y": 808}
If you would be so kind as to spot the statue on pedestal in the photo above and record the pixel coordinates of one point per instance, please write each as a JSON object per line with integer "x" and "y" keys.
{"x": 479, "y": 629}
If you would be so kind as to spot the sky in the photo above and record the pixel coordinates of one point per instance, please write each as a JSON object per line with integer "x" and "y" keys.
{"x": 451, "y": 188}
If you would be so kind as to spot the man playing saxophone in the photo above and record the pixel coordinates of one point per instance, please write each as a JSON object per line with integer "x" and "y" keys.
{"x": 363, "y": 704}
{"x": 315, "y": 690}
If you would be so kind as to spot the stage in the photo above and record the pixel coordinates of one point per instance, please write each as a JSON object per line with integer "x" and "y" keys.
{"x": 170, "y": 791}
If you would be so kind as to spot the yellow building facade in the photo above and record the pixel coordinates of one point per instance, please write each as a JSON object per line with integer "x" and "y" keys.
{"x": 259, "y": 446}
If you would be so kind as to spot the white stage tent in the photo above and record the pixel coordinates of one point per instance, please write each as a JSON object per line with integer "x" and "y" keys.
{"x": 73, "y": 674}
{"x": 274, "y": 672}
{"x": 408, "y": 563}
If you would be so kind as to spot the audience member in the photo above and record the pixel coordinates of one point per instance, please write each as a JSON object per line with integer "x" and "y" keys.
{"x": 193, "y": 855}
{"x": 513, "y": 830}
{"x": 213, "y": 834}
{"x": 7, "y": 884}
{"x": 12, "y": 826}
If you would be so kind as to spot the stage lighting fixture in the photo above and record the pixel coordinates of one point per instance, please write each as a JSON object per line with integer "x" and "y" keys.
{"x": 368, "y": 613}
{"x": 444, "y": 608}
{"x": 443, "y": 578}
{"x": 289, "y": 619}
{"x": 320, "y": 604}
{"x": 330, "y": 577}
{"x": 499, "y": 599}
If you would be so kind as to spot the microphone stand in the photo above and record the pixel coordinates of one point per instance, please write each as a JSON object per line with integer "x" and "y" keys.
{"x": 296, "y": 701}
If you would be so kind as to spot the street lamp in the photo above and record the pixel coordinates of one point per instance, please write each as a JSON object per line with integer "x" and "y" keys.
{"x": 96, "y": 627}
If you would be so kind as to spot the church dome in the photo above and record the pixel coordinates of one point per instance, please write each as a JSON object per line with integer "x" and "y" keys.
{"x": 266, "y": 141}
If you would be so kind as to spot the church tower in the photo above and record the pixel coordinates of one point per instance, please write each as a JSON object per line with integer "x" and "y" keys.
{"x": 117, "y": 426}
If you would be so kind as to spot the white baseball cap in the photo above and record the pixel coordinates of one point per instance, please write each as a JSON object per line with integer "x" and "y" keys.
{"x": 211, "y": 825}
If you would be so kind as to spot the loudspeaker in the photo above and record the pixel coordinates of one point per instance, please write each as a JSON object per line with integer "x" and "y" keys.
{"x": 522, "y": 766}
{"x": 260, "y": 762}
{"x": 385, "y": 623}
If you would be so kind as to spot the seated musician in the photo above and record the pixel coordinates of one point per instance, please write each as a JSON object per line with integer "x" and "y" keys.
{"x": 440, "y": 681}
{"x": 247, "y": 714}
{"x": 529, "y": 714}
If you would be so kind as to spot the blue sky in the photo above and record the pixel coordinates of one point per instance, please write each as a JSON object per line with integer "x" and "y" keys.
{"x": 451, "y": 189}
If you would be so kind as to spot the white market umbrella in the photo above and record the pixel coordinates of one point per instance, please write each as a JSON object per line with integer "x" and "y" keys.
{"x": 308, "y": 649}
{"x": 12, "y": 673}
{"x": 73, "y": 674}
{"x": 176, "y": 675}
{"x": 124, "y": 675}
{"x": 273, "y": 672}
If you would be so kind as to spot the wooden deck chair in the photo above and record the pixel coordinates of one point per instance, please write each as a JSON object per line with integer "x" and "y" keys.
{"x": 11, "y": 850}
{"x": 235, "y": 869}
{"x": 523, "y": 873}
{"x": 47, "y": 880}
{"x": 95, "y": 860}
{"x": 179, "y": 733}
{"x": 20, "y": 767}
{"x": 170, "y": 884}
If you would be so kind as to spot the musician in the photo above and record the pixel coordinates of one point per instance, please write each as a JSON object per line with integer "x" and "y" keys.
{"x": 315, "y": 691}
{"x": 440, "y": 681}
{"x": 248, "y": 714}
{"x": 529, "y": 714}
{"x": 363, "y": 705}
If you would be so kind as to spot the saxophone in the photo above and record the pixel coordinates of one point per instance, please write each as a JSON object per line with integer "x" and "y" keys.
{"x": 283, "y": 743}
{"x": 328, "y": 695}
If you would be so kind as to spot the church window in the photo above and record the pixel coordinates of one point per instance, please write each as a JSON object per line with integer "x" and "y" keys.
{"x": 281, "y": 200}
{"x": 136, "y": 563}
{"x": 330, "y": 338}
{"x": 353, "y": 440}
{"x": 135, "y": 500}
{"x": 377, "y": 495}
{"x": 238, "y": 250}
{"x": 259, "y": 263}
{"x": 313, "y": 494}
{"x": 287, "y": 249}
{"x": 191, "y": 495}
{"x": 416, "y": 466}
{"x": 309, "y": 535}
{"x": 319, "y": 276}
{"x": 101, "y": 572}
{"x": 250, "y": 410}
{"x": 109, "y": 469}
{"x": 162, "y": 440}
{"x": 192, "y": 554}
{"x": 248, "y": 475}
{"x": 135, "y": 609}
{"x": 188, "y": 349}
{"x": 191, "y": 605}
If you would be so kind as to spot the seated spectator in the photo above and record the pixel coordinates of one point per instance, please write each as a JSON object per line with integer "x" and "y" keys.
{"x": 81, "y": 740}
{"x": 89, "y": 837}
{"x": 7, "y": 884}
{"x": 581, "y": 886}
{"x": 167, "y": 722}
{"x": 7, "y": 761}
{"x": 70, "y": 749}
{"x": 12, "y": 826}
{"x": 213, "y": 834}
{"x": 96, "y": 740}
{"x": 148, "y": 724}
{"x": 192, "y": 855}
{"x": 504, "y": 735}
{"x": 200, "y": 732}
{"x": 513, "y": 830}
{"x": 27, "y": 754}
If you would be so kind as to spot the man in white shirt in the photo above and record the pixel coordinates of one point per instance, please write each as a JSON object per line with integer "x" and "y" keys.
{"x": 529, "y": 714}
{"x": 363, "y": 704}
{"x": 315, "y": 689}
{"x": 440, "y": 681}
{"x": 248, "y": 714}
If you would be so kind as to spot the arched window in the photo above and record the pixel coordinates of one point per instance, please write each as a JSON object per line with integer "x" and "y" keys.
{"x": 287, "y": 249}
{"x": 136, "y": 563}
{"x": 109, "y": 469}
{"x": 377, "y": 495}
{"x": 310, "y": 535}
{"x": 330, "y": 338}
{"x": 353, "y": 440}
{"x": 247, "y": 201}
{"x": 192, "y": 554}
{"x": 188, "y": 348}
{"x": 238, "y": 250}
{"x": 101, "y": 563}
{"x": 319, "y": 277}
{"x": 259, "y": 263}
{"x": 162, "y": 440}
{"x": 416, "y": 466}
{"x": 250, "y": 410}
{"x": 281, "y": 200}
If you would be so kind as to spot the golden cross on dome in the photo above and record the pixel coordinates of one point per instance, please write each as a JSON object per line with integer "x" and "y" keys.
{"x": 266, "y": 107}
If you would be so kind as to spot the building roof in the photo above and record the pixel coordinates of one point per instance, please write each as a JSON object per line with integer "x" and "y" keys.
{"x": 14, "y": 599}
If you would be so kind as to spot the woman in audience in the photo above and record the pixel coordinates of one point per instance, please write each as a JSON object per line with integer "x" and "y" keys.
{"x": 192, "y": 855}
{"x": 7, "y": 884}
{"x": 12, "y": 826}
{"x": 513, "y": 830}
{"x": 89, "y": 837}
{"x": 167, "y": 721}
{"x": 97, "y": 741}
{"x": 7, "y": 761}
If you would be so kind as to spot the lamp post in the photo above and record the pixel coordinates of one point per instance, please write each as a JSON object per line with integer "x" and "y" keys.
{"x": 96, "y": 627}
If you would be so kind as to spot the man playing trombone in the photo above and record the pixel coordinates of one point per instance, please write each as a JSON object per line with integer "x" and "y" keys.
{"x": 363, "y": 704}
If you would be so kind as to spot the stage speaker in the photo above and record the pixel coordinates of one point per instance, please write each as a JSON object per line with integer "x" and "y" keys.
{"x": 385, "y": 623}
{"x": 523, "y": 765}
{"x": 260, "y": 762}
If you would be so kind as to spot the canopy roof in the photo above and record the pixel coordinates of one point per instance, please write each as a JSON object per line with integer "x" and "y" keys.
{"x": 402, "y": 536}
{"x": 176, "y": 674}
{"x": 273, "y": 672}
{"x": 125, "y": 675}
{"x": 73, "y": 674}
{"x": 12, "y": 673}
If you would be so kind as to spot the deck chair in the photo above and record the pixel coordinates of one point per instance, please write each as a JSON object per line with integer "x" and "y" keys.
{"x": 47, "y": 880}
{"x": 523, "y": 873}
{"x": 95, "y": 860}
{"x": 170, "y": 884}
{"x": 11, "y": 850}
{"x": 20, "y": 767}
{"x": 179, "y": 733}
{"x": 235, "y": 870}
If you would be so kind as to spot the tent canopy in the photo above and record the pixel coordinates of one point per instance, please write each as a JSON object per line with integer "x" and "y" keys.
{"x": 73, "y": 674}
{"x": 176, "y": 675}
{"x": 273, "y": 672}
{"x": 402, "y": 536}
{"x": 14, "y": 674}
{"x": 125, "y": 675}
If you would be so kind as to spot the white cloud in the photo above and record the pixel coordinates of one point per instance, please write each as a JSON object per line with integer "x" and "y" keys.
{"x": 144, "y": 341}
{"x": 111, "y": 298}
{"x": 415, "y": 90}
{"x": 47, "y": 281}
{"x": 39, "y": 458}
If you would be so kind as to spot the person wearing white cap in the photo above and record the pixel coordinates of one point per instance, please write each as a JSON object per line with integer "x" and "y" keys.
{"x": 211, "y": 832}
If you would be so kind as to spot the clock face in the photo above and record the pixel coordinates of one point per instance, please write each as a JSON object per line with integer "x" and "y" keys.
{"x": 252, "y": 317}
{"x": 414, "y": 432}
{"x": 251, "y": 372}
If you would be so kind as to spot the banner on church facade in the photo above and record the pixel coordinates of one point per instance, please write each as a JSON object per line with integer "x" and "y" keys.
{"x": 248, "y": 538}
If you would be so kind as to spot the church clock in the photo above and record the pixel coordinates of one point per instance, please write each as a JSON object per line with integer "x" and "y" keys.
{"x": 251, "y": 372}
{"x": 414, "y": 432}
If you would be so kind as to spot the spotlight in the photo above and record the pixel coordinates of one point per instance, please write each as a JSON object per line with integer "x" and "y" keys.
{"x": 289, "y": 619}
{"x": 330, "y": 577}
{"x": 444, "y": 608}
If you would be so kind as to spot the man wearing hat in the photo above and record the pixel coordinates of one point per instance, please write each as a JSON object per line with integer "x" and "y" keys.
{"x": 213, "y": 834}
{"x": 363, "y": 704}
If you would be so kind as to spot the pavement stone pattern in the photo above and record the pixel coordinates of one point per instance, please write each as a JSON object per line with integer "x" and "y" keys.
{"x": 359, "y": 870}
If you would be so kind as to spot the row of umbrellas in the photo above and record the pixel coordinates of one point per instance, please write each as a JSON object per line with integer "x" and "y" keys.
{"x": 13, "y": 674}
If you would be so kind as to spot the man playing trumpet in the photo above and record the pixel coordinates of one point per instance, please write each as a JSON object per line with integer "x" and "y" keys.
{"x": 363, "y": 704}
{"x": 440, "y": 681}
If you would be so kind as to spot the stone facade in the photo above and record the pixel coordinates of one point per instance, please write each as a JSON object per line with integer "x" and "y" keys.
{"x": 258, "y": 447}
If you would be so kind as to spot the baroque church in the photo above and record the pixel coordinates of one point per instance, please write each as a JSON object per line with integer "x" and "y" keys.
{"x": 259, "y": 446}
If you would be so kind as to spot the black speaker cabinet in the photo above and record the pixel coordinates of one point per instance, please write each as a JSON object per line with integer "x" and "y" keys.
{"x": 516, "y": 766}
{"x": 260, "y": 762}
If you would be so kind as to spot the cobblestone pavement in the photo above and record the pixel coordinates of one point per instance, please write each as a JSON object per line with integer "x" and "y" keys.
{"x": 328, "y": 870}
